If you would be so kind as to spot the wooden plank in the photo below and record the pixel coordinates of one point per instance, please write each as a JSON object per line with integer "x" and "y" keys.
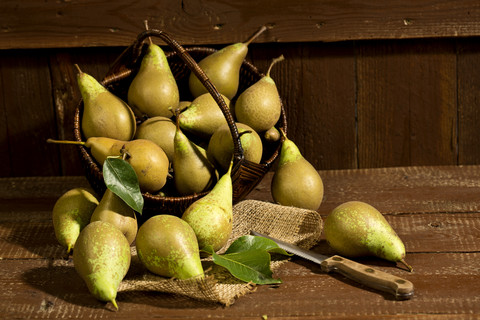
{"x": 28, "y": 113}
{"x": 6, "y": 167}
{"x": 63, "y": 24}
{"x": 406, "y": 103}
{"x": 317, "y": 89}
{"x": 468, "y": 101}
{"x": 328, "y": 104}
{"x": 420, "y": 233}
{"x": 436, "y": 189}
{"x": 397, "y": 190}
{"x": 446, "y": 284}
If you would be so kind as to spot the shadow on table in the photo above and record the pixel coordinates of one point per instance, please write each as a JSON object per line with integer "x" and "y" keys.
{"x": 64, "y": 283}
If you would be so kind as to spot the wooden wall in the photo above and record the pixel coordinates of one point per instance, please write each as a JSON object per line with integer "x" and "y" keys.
{"x": 365, "y": 84}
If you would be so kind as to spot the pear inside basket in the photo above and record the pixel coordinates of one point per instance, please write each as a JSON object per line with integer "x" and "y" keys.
{"x": 245, "y": 174}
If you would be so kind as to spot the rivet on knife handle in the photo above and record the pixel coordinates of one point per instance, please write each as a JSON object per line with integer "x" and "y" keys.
{"x": 373, "y": 278}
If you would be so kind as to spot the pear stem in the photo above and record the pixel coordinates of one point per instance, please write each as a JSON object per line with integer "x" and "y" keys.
{"x": 283, "y": 133}
{"x": 255, "y": 35}
{"x": 114, "y": 303}
{"x": 147, "y": 28}
{"x": 274, "y": 61}
{"x": 78, "y": 68}
{"x": 81, "y": 143}
{"x": 409, "y": 267}
{"x": 177, "y": 116}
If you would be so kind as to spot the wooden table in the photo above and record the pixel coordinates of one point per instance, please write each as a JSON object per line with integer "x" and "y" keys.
{"x": 435, "y": 210}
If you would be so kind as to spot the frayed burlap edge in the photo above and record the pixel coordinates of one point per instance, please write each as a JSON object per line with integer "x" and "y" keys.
{"x": 298, "y": 226}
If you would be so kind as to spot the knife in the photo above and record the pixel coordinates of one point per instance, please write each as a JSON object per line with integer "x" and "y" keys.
{"x": 402, "y": 289}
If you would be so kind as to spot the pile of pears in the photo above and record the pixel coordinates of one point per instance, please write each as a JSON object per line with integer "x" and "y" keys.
{"x": 177, "y": 139}
{"x": 175, "y": 148}
{"x": 101, "y": 233}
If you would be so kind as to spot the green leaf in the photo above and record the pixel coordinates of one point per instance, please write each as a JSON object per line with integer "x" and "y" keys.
{"x": 122, "y": 180}
{"x": 249, "y": 242}
{"x": 249, "y": 266}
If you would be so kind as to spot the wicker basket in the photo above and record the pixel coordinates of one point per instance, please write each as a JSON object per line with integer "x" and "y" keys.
{"x": 245, "y": 174}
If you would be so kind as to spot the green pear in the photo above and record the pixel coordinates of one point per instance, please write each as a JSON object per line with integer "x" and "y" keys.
{"x": 183, "y": 105}
{"x": 272, "y": 135}
{"x": 203, "y": 116}
{"x": 356, "y": 229}
{"x": 167, "y": 246}
{"x": 100, "y": 147}
{"x": 147, "y": 158}
{"x": 160, "y": 130}
{"x": 192, "y": 171}
{"x": 211, "y": 216}
{"x": 114, "y": 210}
{"x": 296, "y": 182}
{"x": 104, "y": 114}
{"x": 220, "y": 146}
{"x": 223, "y": 68}
{"x": 102, "y": 258}
{"x": 149, "y": 162}
{"x": 259, "y": 106}
{"x": 153, "y": 91}
{"x": 71, "y": 213}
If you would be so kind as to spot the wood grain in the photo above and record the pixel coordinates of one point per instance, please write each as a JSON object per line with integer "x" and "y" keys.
{"x": 468, "y": 102}
{"x": 398, "y": 190}
{"x": 28, "y": 114}
{"x": 193, "y": 22}
{"x": 435, "y": 210}
{"x": 407, "y": 111}
{"x": 39, "y": 287}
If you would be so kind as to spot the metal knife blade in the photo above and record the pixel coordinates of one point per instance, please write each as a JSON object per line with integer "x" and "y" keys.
{"x": 402, "y": 289}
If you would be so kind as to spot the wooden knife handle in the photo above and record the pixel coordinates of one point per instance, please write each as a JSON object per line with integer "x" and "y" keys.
{"x": 402, "y": 289}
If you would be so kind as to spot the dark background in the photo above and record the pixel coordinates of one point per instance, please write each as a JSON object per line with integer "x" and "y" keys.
{"x": 365, "y": 83}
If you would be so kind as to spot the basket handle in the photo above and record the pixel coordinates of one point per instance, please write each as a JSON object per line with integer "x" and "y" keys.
{"x": 133, "y": 53}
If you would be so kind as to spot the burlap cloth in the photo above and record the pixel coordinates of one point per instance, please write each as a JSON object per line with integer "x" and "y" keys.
{"x": 294, "y": 225}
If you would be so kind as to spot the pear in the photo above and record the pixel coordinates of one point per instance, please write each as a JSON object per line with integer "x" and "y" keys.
{"x": 100, "y": 147}
{"x": 355, "y": 229}
{"x": 71, "y": 213}
{"x": 183, "y": 105}
{"x": 102, "y": 258}
{"x": 153, "y": 91}
{"x": 114, "y": 210}
{"x": 104, "y": 114}
{"x": 220, "y": 146}
{"x": 272, "y": 135}
{"x": 211, "y": 216}
{"x": 167, "y": 246}
{"x": 149, "y": 162}
{"x": 259, "y": 106}
{"x": 203, "y": 116}
{"x": 160, "y": 130}
{"x": 147, "y": 159}
{"x": 192, "y": 171}
{"x": 223, "y": 68}
{"x": 296, "y": 182}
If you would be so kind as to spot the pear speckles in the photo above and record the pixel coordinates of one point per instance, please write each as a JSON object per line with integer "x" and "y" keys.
{"x": 167, "y": 246}
{"x": 104, "y": 114}
{"x": 102, "y": 258}
{"x": 357, "y": 229}
{"x": 211, "y": 216}
{"x": 295, "y": 181}
{"x": 154, "y": 91}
